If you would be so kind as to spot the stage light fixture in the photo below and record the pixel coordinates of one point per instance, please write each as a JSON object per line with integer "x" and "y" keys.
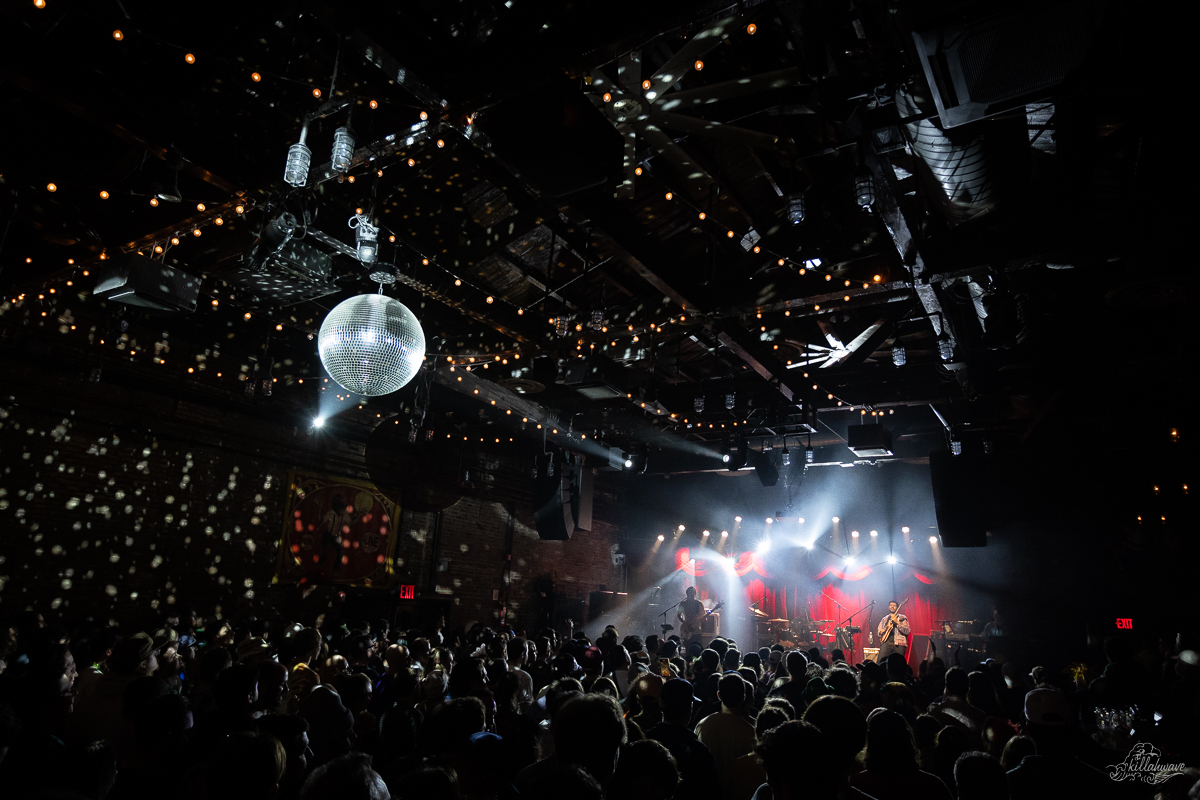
{"x": 628, "y": 463}
{"x": 854, "y": 534}
{"x": 849, "y": 560}
{"x": 891, "y": 559}
{"x": 318, "y": 422}
{"x": 808, "y": 455}
{"x": 874, "y": 533}
{"x": 836, "y": 520}
{"x": 725, "y": 458}
{"x": 698, "y": 404}
{"x": 770, "y": 520}
{"x": 730, "y": 401}
{"x": 899, "y": 355}
{"x": 764, "y": 546}
{"x": 933, "y": 540}
{"x": 366, "y": 237}
{"x": 785, "y": 457}
{"x": 662, "y": 538}
{"x": 705, "y": 533}
{"x": 737, "y": 519}
{"x": 956, "y": 448}
{"x": 682, "y": 529}
{"x": 724, "y": 534}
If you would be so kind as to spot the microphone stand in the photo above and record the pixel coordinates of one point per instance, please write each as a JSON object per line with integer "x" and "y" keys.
{"x": 664, "y": 626}
{"x": 848, "y": 619}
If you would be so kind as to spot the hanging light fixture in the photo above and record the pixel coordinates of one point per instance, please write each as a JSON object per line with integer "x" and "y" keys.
{"x": 698, "y": 404}
{"x": 371, "y": 344}
{"x": 899, "y": 355}
{"x": 366, "y": 236}
{"x": 299, "y": 157}
{"x": 730, "y": 401}
{"x": 864, "y": 190}
{"x": 796, "y": 209}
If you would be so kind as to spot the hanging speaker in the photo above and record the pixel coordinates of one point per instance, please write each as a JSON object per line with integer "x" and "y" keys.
{"x": 764, "y": 467}
{"x": 959, "y": 498}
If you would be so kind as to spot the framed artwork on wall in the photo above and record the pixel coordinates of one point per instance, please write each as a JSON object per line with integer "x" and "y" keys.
{"x": 336, "y": 531}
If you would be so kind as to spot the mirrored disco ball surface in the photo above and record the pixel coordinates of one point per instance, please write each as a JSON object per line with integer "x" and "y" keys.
{"x": 371, "y": 344}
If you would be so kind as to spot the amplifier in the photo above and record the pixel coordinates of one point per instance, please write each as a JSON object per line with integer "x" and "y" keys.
{"x": 870, "y": 654}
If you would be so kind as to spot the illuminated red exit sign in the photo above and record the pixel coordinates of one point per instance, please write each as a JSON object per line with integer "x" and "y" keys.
{"x": 1124, "y": 623}
{"x": 407, "y": 592}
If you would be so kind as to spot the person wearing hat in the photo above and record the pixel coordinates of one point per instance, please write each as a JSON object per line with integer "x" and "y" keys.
{"x": 1055, "y": 772}
{"x": 98, "y": 712}
{"x": 697, "y": 769}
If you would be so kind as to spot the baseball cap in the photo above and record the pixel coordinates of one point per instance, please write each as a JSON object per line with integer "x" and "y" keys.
{"x": 1048, "y": 707}
{"x": 648, "y": 685}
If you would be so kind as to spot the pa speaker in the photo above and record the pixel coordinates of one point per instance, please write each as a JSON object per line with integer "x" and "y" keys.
{"x": 562, "y": 498}
{"x": 136, "y": 280}
{"x": 764, "y": 467}
{"x": 960, "y": 486}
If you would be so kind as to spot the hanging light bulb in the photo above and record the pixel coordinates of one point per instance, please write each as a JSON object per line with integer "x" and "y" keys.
{"x": 366, "y": 236}
{"x": 597, "y": 319}
{"x": 864, "y": 190}
{"x": 899, "y": 355}
{"x": 561, "y": 326}
{"x": 698, "y": 404}
{"x": 299, "y": 157}
{"x": 808, "y": 455}
{"x": 730, "y": 400}
{"x": 796, "y": 208}
{"x": 945, "y": 348}
{"x": 343, "y": 149}
{"x": 785, "y": 457}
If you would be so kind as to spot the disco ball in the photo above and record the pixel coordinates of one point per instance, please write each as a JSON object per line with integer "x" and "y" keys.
{"x": 371, "y": 344}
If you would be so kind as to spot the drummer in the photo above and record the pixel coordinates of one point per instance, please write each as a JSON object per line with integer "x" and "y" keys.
{"x": 804, "y": 628}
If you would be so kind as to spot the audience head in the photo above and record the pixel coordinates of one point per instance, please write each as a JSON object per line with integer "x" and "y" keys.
{"x": 646, "y": 771}
{"x": 891, "y": 749}
{"x": 796, "y": 758}
{"x": 843, "y": 725}
{"x": 731, "y": 690}
{"x": 980, "y": 776}
{"x": 957, "y": 683}
{"x": 589, "y": 731}
{"x": 348, "y": 777}
{"x": 1016, "y": 749}
{"x": 247, "y": 766}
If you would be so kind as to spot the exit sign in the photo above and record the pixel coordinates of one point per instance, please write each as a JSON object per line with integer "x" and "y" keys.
{"x": 407, "y": 591}
{"x": 1124, "y": 623}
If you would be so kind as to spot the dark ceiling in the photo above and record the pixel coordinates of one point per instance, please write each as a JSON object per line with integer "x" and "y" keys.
{"x": 1014, "y": 229}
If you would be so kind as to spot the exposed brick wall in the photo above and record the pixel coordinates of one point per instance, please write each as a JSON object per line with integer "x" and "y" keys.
{"x": 116, "y": 503}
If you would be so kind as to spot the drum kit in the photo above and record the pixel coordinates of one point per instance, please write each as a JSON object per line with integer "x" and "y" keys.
{"x": 802, "y": 634}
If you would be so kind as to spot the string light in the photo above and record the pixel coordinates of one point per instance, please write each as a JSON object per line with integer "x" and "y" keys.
{"x": 646, "y": 84}
{"x": 702, "y": 215}
{"x": 751, "y": 29}
{"x": 607, "y": 97}
{"x": 174, "y": 240}
{"x": 195, "y": 232}
{"x": 50, "y": 187}
{"x": 254, "y": 76}
{"x": 637, "y": 171}
{"x": 316, "y": 93}
{"x": 239, "y": 209}
{"x": 441, "y": 143}
{"x": 154, "y": 202}
{"x": 103, "y": 195}
{"x": 218, "y": 221}
{"x": 730, "y": 234}
{"x": 199, "y": 206}
{"x": 189, "y": 58}
{"x": 699, "y": 65}
{"x": 373, "y": 104}
{"x": 39, "y": 3}
{"x": 118, "y": 35}
{"x": 424, "y": 116}
{"x": 670, "y": 196}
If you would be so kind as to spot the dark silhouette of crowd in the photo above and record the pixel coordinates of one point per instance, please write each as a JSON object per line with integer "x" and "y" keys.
{"x": 226, "y": 709}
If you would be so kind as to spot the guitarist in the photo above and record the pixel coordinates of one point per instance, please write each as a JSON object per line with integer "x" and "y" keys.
{"x": 893, "y": 633}
{"x": 691, "y": 611}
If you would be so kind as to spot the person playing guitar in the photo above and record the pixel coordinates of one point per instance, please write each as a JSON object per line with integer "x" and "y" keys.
{"x": 691, "y": 612}
{"x": 893, "y": 632}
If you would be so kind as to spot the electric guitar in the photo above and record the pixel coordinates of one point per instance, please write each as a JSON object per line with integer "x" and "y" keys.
{"x": 891, "y": 623}
{"x": 686, "y": 628}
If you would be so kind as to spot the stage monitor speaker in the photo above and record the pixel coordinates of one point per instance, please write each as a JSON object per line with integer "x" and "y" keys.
{"x": 959, "y": 498}
{"x": 764, "y": 467}
{"x": 871, "y": 654}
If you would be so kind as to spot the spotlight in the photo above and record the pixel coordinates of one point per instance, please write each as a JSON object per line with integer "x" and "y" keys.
{"x": 899, "y": 355}
{"x": 724, "y": 534}
{"x": 737, "y": 519}
{"x": 736, "y": 453}
{"x": 628, "y": 463}
{"x": 854, "y": 534}
{"x": 318, "y": 422}
{"x": 662, "y": 538}
{"x": 367, "y": 238}
{"x": 730, "y": 564}
{"x": 764, "y": 546}
{"x": 770, "y": 520}
{"x": 682, "y": 529}
{"x": 891, "y": 559}
{"x": 725, "y": 458}
{"x": 874, "y": 533}
{"x": 706, "y": 533}
{"x": 837, "y": 519}
{"x": 849, "y": 561}
{"x": 808, "y": 545}
{"x": 343, "y": 149}
{"x": 933, "y": 540}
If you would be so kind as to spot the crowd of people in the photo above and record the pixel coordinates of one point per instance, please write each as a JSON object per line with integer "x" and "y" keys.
{"x": 218, "y": 709}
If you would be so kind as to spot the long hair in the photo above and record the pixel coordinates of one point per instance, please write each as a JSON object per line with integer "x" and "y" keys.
{"x": 890, "y": 744}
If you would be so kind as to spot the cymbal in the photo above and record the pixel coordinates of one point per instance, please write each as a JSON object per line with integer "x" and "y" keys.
{"x": 822, "y": 621}
{"x": 760, "y": 614}
{"x": 778, "y": 620}
{"x": 828, "y": 635}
